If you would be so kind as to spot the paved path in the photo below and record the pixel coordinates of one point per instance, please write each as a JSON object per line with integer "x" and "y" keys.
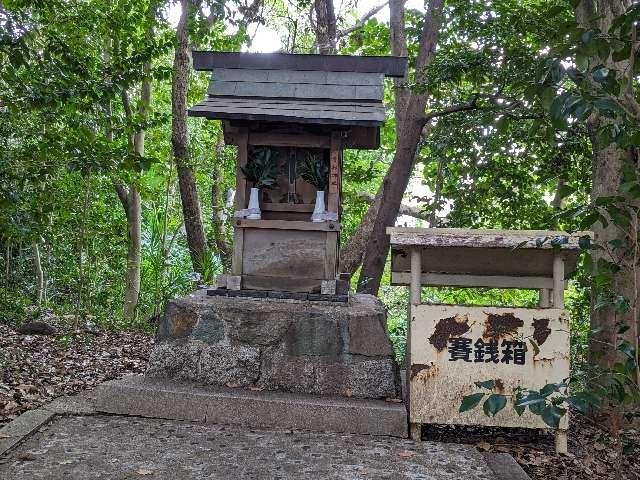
{"x": 119, "y": 447}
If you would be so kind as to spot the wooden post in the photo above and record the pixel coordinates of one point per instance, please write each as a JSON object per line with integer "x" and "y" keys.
{"x": 544, "y": 295}
{"x": 415, "y": 289}
{"x": 558, "y": 280}
{"x": 561, "y": 442}
{"x": 333, "y": 200}
{"x": 240, "y": 201}
{"x": 416, "y": 274}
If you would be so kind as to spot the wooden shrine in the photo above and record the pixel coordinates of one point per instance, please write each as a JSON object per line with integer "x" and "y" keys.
{"x": 291, "y": 117}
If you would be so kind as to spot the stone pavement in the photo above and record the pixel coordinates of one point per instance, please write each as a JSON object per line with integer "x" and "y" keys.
{"x": 119, "y": 447}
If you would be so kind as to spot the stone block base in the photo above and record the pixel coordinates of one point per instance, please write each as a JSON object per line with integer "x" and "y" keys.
{"x": 307, "y": 347}
{"x": 146, "y": 397}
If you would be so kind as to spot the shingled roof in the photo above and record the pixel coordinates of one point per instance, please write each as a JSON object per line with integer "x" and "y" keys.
{"x": 312, "y": 89}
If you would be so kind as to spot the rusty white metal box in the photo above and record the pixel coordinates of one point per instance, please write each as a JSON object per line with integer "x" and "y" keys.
{"x": 453, "y": 346}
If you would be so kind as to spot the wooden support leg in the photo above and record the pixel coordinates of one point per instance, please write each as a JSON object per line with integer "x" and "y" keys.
{"x": 544, "y": 297}
{"x": 415, "y": 290}
{"x": 415, "y": 431}
{"x": 561, "y": 442}
{"x": 558, "y": 281}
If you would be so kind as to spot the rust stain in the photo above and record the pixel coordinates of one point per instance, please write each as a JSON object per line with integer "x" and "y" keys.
{"x": 499, "y": 385}
{"x": 501, "y": 325}
{"x": 423, "y": 372}
{"x": 541, "y": 330}
{"x": 446, "y": 328}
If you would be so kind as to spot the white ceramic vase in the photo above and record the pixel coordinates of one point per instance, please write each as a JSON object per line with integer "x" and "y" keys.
{"x": 319, "y": 209}
{"x": 254, "y": 205}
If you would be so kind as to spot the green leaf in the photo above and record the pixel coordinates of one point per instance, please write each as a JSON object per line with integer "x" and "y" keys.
{"x": 589, "y": 220}
{"x": 533, "y": 398}
{"x": 488, "y": 384}
{"x": 494, "y": 404}
{"x": 583, "y": 110}
{"x": 565, "y": 190}
{"x": 600, "y": 75}
{"x": 470, "y": 401}
{"x": 615, "y": 244}
{"x": 541, "y": 241}
{"x": 584, "y": 242}
{"x": 550, "y": 388}
{"x": 628, "y": 349}
{"x": 587, "y": 36}
{"x": 551, "y": 415}
{"x": 623, "y": 328}
{"x": 585, "y": 401}
{"x": 621, "y": 304}
{"x": 582, "y": 61}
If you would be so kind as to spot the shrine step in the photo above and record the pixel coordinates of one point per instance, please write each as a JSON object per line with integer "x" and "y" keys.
{"x": 158, "y": 398}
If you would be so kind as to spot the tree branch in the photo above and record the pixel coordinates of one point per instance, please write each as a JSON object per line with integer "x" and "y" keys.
{"x": 403, "y": 210}
{"x": 126, "y": 104}
{"x": 123, "y": 195}
{"x": 360, "y": 23}
{"x": 470, "y": 105}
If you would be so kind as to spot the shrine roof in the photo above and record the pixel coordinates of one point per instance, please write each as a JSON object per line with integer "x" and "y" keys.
{"x": 459, "y": 251}
{"x": 312, "y": 89}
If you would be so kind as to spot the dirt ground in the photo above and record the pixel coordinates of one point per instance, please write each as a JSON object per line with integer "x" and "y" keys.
{"x": 35, "y": 369}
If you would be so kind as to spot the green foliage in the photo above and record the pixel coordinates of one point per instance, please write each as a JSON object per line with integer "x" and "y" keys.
{"x": 314, "y": 169}
{"x": 262, "y": 167}
{"x": 64, "y": 132}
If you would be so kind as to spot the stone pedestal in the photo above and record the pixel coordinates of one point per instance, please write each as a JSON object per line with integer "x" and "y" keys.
{"x": 317, "y": 348}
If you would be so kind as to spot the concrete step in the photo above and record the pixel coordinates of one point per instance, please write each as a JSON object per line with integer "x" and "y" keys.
{"x": 156, "y": 398}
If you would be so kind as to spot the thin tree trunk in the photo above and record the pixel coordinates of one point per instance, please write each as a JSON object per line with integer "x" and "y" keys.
{"x": 134, "y": 231}
{"x": 134, "y": 211}
{"x": 39, "y": 273}
{"x": 81, "y": 242}
{"x": 180, "y": 143}
{"x": 433, "y": 217}
{"x": 7, "y": 273}
{"x": 395, "y": 182}
{"x": 351, "y": 254}
{"x": 218, "y": 205}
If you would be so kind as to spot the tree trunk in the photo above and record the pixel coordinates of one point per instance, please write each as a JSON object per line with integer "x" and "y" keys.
{"x": 607, "y": 175}
{"x": 39, "y": 273}
{"x": 352, "y": 253}
{"x": 607, "y": 165}
{"x": 409, "y": 131}
{"x": 180, "y": 143}
{"x": 325, "y": 27}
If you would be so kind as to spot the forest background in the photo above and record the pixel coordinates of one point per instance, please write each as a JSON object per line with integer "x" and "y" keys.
{"x": 514, "y": 114}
